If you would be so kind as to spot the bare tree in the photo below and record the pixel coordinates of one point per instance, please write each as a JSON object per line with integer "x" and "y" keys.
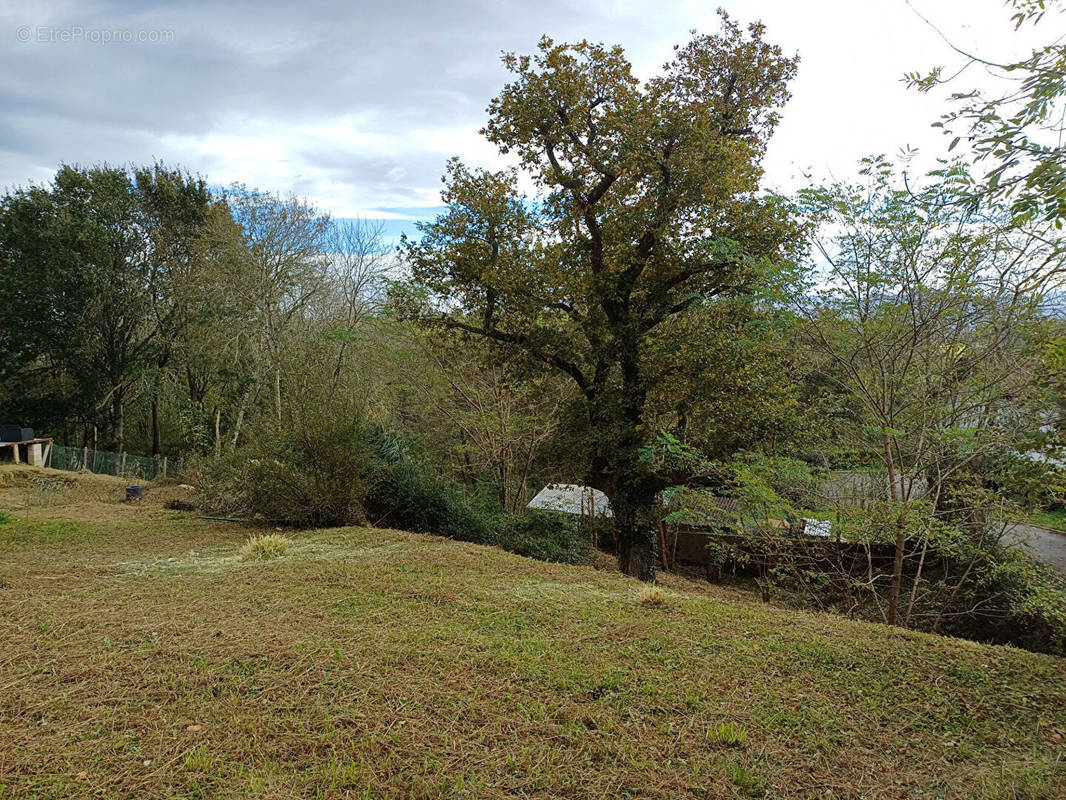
{"x": 359, "y": 259}
{"x": 921, "y": 313}
{"x": 284, "y": 241}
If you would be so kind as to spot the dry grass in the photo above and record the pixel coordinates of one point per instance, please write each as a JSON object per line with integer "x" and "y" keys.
{"x": 265, "y": 546}
{"x": 651, "y": 596}
{"x": 143, "y": 658}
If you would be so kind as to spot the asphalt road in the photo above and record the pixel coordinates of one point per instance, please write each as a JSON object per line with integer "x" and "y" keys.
{"x": 1047, "y": 545}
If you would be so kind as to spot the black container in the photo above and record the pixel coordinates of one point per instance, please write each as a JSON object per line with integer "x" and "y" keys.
{"x": 134, "y": 493}
{"x": 27, "y": 434}
{"x": 10, "y": 433}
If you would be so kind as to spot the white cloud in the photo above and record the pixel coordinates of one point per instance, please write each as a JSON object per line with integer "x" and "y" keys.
{"x": 358, "y": 106}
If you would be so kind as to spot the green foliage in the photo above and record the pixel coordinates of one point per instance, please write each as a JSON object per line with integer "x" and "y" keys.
{"x": 958, "y": 576}
{"x": 795, "y": 481}
{"x": 545, "y": 536}
{"x": 723, "y": 378}
{"x": 88, "y": 269}
{"x": 405, "y": 492}
{"x": 747, "y": 781}
{"x": 926, "y": 323}
{"x": 668, "y": 453}
{"x": 310, "y": 473}
{"x": 1018, "y": 131}
{"x": 1030, "y": 483}
{"x": 728, "y": 733}
{"x": 647, "y": 208}
{"x": 1016, "y": 600}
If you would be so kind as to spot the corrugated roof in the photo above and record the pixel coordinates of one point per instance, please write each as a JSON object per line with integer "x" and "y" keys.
{"x": 570, "y": 498}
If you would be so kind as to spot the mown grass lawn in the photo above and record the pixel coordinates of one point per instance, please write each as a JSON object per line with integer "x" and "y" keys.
{"x": 142, "y": 657}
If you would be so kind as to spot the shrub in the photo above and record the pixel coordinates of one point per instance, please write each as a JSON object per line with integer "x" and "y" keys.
{"x": 794, "y": 481}
{"x": 271, "y": 545}
{"x": 404, "y": 492}
{"x": 310, "y": 473}
{"x": 546, "y": 536}
{"x": 1016, "y": 600}
{"x": 331, "y": 473}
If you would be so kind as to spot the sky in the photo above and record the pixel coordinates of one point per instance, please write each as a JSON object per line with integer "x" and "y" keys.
{"x": 358, "y": 105}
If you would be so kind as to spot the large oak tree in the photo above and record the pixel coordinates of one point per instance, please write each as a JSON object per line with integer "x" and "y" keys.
{"x": 646, "y": 205}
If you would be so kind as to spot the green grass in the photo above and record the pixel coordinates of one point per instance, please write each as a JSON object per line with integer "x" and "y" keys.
{"x": 1055, "y": 520}
{"x": 142, "y": 657}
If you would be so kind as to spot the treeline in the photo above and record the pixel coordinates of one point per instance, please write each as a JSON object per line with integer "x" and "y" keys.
{"x": 144, "y": 311}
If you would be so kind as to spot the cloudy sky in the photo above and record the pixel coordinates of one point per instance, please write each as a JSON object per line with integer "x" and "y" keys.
{"x": 357, "y": 105}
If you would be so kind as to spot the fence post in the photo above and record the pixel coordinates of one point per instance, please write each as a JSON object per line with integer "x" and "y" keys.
{"x": 122, "y": 463}
{"x": 85, "y": 457}
{"x": 164, "y": 467}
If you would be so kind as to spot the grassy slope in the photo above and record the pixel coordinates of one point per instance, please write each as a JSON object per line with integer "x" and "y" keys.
{"x": 1055, "y": 520}
{"x": 140, "y": 657}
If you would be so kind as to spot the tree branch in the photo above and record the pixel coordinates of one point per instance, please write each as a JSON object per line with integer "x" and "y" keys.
{"x": 523, "y": 341}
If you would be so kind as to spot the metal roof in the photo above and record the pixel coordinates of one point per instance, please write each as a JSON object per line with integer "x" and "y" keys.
{"x": 570, "y": 498}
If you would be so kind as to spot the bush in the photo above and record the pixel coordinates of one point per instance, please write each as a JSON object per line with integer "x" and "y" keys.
{"x": 409, "y": 494}
{"x": 331, "y": 473}
{"x": 310, "y": 474}
{"x": 546, "y": 536}
{"x": 404, "y": 492}
{"x": 1019, "y": 601}
{"x": 258, "y": 548}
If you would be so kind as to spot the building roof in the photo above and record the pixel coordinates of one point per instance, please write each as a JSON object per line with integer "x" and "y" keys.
{"x": 569, "y": 498}
{"x": 701, "y": 509}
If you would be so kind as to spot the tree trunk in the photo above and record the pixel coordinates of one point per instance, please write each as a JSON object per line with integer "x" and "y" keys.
{"x": 633, "y": 503}
{"x": 277, "y": 392}
{"x": 634, "y": 491}
{"x": 636, "y": 550}
{"x": 897, "y": 570}
{"x": 901, "y": 532}
{"x": 118, "y": 421}
{"x": 240, "y": 418}
{"x": 155, "y": 425}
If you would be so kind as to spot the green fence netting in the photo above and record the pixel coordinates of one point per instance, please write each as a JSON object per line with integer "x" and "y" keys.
{"x": 102, "y": 462}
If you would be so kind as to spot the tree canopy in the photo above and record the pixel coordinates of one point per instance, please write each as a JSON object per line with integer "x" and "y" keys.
{"x": 646, "y": 207}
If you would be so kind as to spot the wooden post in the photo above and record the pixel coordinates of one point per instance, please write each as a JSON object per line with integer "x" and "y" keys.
{"x": 164, "y": 467}
{"x": 46, "y": 460}
{"x": 85, "y": 457}
{"x": 15, "y": 452}
{"x": 122, "y": 463}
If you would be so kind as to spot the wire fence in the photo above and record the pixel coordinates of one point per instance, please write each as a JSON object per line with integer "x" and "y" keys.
{"x": 102, "y": 462}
